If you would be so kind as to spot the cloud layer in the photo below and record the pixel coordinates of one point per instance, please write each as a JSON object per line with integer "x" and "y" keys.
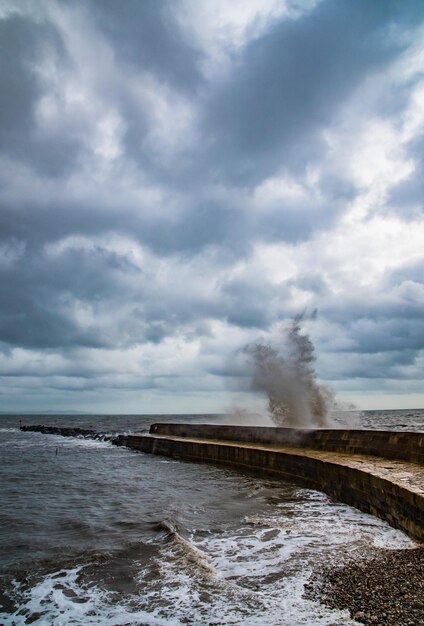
{"x": 178, "y": 178}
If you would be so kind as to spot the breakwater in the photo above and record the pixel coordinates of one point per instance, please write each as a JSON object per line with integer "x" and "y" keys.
{"x": 378, "y": 472}
{"x": 70, "y": 431}
{"x": 402, "y": 445}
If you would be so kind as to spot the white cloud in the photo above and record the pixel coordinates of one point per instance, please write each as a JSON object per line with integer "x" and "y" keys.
{"x": 143, "y": 264}
{"x": 221, "y": 28}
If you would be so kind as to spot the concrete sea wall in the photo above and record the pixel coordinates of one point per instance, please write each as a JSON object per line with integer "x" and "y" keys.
{"x": 406, "y": 446}
{"x": 378, "y": 472}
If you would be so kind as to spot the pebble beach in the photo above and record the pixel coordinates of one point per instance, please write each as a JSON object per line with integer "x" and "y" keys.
{"x": 386, "y": 589}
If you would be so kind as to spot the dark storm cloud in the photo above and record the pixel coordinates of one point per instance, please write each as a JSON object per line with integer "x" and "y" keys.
{"x": 198, "y": 203}
{"x": 389, "y": 365}
{"x": 146, "y": 40}
{"x": 224, "y": 223}
{"x": 407, "y": 197}
{"x": 19, "y": 85}
{"x": 302, "y": 69}
{"x": 312, "y": 282}
{"x": 22, "y": 42}
{"x": 243, "y": 301}
{"x": 290, "y": 83}
{"x": 295, "y": 223}
{"x": 388, "y": 335}
{"x": 202, "y": 224}
{"x": 34, "y": 313}
{"x": 145, "y": 34}
{"x": 39, "y": 293}
{"x": 410, "y": 274}
{"x": 384, "y": 330}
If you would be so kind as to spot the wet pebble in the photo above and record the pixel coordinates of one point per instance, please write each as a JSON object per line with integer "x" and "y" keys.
{"x": 386, "y": 589}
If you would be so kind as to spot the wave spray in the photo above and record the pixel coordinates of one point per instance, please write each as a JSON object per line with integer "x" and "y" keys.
{"x": 286, "y": 374}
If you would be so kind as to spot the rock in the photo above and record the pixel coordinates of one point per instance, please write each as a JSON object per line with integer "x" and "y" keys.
{"x": 70, "y": 431}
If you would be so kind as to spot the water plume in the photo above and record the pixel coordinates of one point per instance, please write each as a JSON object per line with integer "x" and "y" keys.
{"x": 286, "y": 374}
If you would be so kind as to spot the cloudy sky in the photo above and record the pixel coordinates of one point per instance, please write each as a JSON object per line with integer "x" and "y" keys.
{"x": 179, "y": 177}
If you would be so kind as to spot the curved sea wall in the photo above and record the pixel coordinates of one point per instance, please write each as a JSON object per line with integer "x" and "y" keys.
{"x": 405, "y": 446}
{"x": 379, "y": 472}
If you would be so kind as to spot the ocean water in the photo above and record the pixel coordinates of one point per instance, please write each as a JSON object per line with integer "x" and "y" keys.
{"x": 95, "y": 534}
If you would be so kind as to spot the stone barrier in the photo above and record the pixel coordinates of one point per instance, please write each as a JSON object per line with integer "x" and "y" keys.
{"x": 408, "y": 446}
{"x": 378, "y": 472}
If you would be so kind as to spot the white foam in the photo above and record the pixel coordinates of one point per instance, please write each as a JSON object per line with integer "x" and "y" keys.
{"x": 74, "y": 442}
{"x": 258, "y": 571}
{"x": 228, "y": 601}
{"x": 78, "y": 442}
{"x": 246, "y": 575}
{"x": 57, "y": 441}
{"x": 60, "y": 599}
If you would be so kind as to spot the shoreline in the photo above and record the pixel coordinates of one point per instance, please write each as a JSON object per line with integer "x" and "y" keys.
{"x": 385, "y": 588}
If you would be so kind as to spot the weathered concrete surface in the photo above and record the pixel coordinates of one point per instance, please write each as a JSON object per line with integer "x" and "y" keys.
{"x": 387, "y": 487}
{"x": 384, "y": 443}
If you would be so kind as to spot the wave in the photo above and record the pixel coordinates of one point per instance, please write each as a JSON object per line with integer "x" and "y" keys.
{"x": 62, "y": 598}
{"x": 245, "y": 575}
{"x": 186, "y": 550}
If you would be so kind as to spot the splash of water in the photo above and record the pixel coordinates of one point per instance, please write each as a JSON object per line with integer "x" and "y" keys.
{"x": 286, "y": 374}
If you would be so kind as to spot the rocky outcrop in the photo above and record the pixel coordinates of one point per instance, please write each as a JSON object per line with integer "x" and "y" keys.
{"x": 62, "y": 431}
{"x": 67, "y": 431}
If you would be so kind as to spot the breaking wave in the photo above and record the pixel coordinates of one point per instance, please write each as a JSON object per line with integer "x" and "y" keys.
{"x": 285, "y": 373}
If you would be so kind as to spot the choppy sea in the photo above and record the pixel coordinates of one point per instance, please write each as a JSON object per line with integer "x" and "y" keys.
{"x": 91, "y": 533}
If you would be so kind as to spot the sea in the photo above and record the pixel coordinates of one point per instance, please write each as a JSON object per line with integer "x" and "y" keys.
{"x": 91, "y": 533}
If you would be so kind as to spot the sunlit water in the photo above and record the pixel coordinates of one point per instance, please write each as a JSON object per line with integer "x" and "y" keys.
{"x": 95, "y": 534}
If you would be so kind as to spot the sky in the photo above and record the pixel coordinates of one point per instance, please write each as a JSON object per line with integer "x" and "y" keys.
{"x": 180, "y": 178}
